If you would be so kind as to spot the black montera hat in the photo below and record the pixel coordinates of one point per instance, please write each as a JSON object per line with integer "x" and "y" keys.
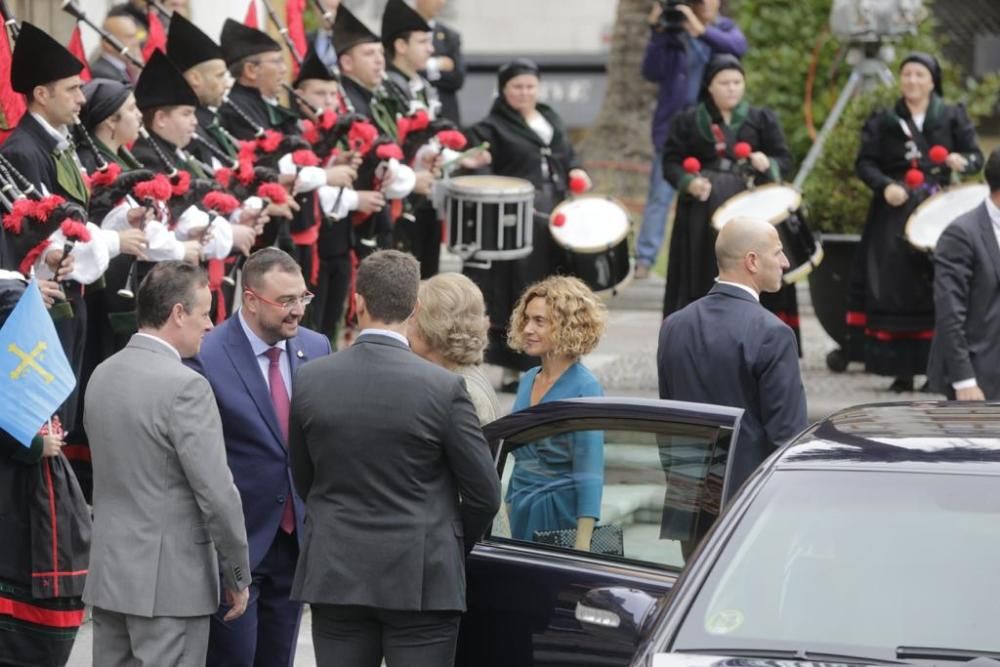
{"x": 312, "y": 68}
{"x": 720, "y": 62}
{"x": 932, "y": 65}
{"x": 161, "y": 84}
{"x": 38, "y": 59}
{"x": 349, "y": 31}
{"x": 239, "y": 42}
{"x": 188, "y": 45}
{"x": 104, "y": 98}
{"x": 399, "y": 18}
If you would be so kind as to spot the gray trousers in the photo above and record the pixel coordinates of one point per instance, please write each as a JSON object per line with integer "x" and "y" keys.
{"x": 123, "y": 640}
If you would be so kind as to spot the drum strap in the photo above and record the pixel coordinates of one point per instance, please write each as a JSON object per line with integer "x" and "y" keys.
{"x": 918, "y": 137}
{"x": 722, "y": 146}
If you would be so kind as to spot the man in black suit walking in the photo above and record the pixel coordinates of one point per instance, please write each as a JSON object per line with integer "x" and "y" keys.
{"x": 398, "y": 484}
{"x": 965, "y": 357}
{"x": 727, "y": 349}
{"x": 446, "y": 70}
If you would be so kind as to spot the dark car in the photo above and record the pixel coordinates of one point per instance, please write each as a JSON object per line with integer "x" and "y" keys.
{"x": 873, "y": 538}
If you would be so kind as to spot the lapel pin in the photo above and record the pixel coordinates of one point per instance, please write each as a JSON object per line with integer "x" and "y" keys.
{"x": 299, "y": 354}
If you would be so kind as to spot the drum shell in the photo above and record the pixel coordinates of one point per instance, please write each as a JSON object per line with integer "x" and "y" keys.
{"x": 489, "y": 223}
{"x": 602, "y": 262}
{"x": 601, "y": 270}
{"x": 803, "y": 251}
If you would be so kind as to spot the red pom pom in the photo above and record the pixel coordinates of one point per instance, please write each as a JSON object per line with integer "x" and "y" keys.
{"x": 692, "y": 165}
{"x": 559, "y": 220}
{"x": 742, "y": 150}
{"x": 328, "y": 119}
{"x": 452, "y": 139}
{"x": 309, "y": 131}
{"x": 103, "y": 179}
{"x": 914, "y": 178}
{"x": 420, "y": 120}
{"x": 389, "y": 151}
{"x": 272, "y": 192}
{"x": 32, "y": 257}
{"x": 220, "y": 202}
{"x": 305, "y": 158}
{"x": 14, "y": 221}
{"x": 578, "y": 185}
{"x": 361, "y": 136}
{"x": 245, "y": 173}
{"x": 224, "y": 175}
{"x": 180, "y": 183}
{"x": 248, "y": 149}
{"x": 270, "y": 141}
{"x": 45, "y": 207}
{"x": 157, "y": 189}
{"x": 75, "y": 231}
{"x": 938, "y": 154}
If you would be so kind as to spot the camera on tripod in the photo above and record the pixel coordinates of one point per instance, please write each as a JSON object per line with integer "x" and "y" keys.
{"x": 672, "y": 19}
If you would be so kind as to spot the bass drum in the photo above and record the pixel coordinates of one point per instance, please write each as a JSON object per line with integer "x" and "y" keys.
{"x": 781, "y": 205}
{"x": 929, "y": 220}
{"x": 592, "y": 234}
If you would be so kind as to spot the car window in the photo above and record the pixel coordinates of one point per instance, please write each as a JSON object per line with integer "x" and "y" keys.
{"x": 651, "y": 489}
{"x": 857, "y": 563}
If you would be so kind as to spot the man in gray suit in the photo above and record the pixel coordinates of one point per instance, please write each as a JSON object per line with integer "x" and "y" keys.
{"x": 965, "y": 354}
{"x": 167, "y": 516}
{"x": 398, "y": 482}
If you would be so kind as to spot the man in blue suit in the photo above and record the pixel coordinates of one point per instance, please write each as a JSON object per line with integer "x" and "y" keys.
{"x": 727, "y": 349}
{"x": 250, "y": 361}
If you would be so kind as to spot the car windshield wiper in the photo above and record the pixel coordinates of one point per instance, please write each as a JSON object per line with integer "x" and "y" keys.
{"x": 932, "y": 653}
{"x": 786, "y": 654}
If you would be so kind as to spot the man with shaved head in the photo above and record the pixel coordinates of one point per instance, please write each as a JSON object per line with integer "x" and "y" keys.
{"x": 109, "y": 63}
{"x": 727, "y": 349}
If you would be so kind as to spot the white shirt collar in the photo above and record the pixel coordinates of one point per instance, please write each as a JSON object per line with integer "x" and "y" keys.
{"x": 160, "y": 341}
{"x": 993, "y": 210}
{"x": 385, "y": 332}
{"x": 62, "y": 136}
{"x": 748, "y": 290}
{"x": 257, "y": 344}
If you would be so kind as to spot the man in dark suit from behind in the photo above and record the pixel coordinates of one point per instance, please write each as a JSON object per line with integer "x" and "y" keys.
{"x": 398, "y": 483}
{"x": 727, "y": 349}
{"x": 446, "y": 69}
{"x": 251, "y": 360}
{"x": 965, "y": 358}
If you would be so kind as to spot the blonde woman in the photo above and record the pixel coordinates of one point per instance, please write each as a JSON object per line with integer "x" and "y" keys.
{"x": 450, "y": 330}
{"x": 557, "y": 482}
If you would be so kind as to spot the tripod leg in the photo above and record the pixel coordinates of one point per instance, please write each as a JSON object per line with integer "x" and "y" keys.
{"x": 838, "y": 109}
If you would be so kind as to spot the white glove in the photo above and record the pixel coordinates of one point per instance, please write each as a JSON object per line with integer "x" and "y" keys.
{"x": 191, "y": 219}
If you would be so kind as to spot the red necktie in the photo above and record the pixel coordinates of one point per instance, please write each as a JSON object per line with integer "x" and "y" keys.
{"x": 282, "y": 408}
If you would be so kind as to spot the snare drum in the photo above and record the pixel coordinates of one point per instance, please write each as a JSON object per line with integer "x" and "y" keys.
{"x": 781, "y": 205}
{"x": 929, "y": 220}
{"x": 592, "y": 231}
{"x": 489, "y": 217}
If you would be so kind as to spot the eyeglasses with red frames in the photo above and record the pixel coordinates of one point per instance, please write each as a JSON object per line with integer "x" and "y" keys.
{"x": 285, "y": 302}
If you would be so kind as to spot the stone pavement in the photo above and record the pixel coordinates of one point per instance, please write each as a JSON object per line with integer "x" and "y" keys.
{"x": 625, "y": 362}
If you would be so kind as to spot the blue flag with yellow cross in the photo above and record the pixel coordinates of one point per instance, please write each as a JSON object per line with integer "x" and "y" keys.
{"x": 35, "y": 376}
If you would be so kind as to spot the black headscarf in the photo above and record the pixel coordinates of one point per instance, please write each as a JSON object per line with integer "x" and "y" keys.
{"x": 719, "y": 63}
{"x": 932, "y": 65}
{"x": 516, "y": 67}
{"x": 104, "y": 98}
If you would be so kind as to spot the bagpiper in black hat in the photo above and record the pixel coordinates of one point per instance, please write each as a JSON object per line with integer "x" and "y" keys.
{"x": 312, "y": 68}
{"x": 161, "y": 84}
{"x": 399, "y": 19}
{"x": 349, "y": 31}
{"x": 239, "y": 42}
{"x": 188, "y": 45}
{"x": 38, "y": 59}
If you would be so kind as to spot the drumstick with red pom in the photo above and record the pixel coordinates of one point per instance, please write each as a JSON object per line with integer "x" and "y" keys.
{"x": 914, "y": 178}
{"x": 692, "y": 165}
{"x": 939, "y": 156}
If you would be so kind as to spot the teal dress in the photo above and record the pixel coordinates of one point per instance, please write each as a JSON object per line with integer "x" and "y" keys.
{"x": 557, "y": 479}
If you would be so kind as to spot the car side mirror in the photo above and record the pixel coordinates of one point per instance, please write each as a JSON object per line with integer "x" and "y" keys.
{"x": 615, "y": 613}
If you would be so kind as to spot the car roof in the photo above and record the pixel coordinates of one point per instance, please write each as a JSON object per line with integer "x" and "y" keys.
{"x": 924, "y": 436}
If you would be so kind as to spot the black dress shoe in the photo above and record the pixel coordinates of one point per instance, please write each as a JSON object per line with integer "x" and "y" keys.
{"x": 901, "y": 385}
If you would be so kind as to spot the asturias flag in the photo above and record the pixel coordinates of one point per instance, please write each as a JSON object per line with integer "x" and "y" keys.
{"x": 35, "y": 376}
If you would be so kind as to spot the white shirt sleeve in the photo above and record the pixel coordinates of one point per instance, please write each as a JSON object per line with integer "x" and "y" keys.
{"x": 221, "y": 243}
{"x": 163, "y": 245}
{"x": 328, "y": 198}
{"x": 112, "y": 241}
{"x": 964, "y": 384}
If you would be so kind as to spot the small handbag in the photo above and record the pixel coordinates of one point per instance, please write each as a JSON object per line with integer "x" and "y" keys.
{"x": 607, "y": 540}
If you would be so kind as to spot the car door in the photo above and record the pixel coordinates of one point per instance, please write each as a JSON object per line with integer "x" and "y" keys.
{"x": 655, "y": 469}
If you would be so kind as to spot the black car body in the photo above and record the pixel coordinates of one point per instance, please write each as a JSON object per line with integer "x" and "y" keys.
{"x": 871, "y": 538}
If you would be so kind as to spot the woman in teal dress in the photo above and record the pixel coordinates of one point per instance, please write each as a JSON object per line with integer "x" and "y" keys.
{"x": 556, "y": 483}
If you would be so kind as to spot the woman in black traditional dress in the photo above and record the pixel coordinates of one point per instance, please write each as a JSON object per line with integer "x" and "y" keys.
{"x": 891, "y": 306}
{"x": 710, "y": 132}
{"x": 527, "y": 140}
